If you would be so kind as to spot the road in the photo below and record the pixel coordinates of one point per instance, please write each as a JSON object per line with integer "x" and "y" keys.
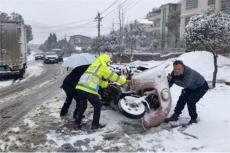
{"x": 17, "y": 100}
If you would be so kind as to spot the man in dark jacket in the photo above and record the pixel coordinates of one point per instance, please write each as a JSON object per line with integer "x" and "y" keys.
{"x": 195, "y": 86}
{"x": 69, "y": 85}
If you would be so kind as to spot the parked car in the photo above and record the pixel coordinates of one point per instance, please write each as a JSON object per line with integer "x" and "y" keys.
{"x": 39, "y": 56}
{"x": 51, "y": 57}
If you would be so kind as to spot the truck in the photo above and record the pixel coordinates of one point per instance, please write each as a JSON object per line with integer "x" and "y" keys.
{"x": 60, "y": 54}
{"x": 13, "y": 49}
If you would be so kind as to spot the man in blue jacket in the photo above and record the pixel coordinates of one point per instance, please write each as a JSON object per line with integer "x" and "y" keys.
{"x": 195, "y": 87}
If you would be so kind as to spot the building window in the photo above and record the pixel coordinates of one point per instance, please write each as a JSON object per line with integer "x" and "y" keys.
{"x": 191, "y": 4}
{"x": 225, "y": 6}
{"x": 211, "y": 2}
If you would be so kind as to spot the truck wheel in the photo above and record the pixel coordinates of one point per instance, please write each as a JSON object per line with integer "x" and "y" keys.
{"x": 21, "y": 73}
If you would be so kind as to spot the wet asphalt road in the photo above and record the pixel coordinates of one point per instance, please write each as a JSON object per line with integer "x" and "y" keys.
{"x": 17, "y": 100}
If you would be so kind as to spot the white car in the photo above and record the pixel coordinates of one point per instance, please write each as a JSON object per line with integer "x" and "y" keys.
{"x": 51, "y": 57}
{"x": 154, "y": 80}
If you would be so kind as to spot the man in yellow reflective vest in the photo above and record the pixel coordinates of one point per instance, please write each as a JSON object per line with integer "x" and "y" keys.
{"x": 97, "y": 75}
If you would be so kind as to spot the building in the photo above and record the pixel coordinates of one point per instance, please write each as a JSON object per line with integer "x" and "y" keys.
{"x": 222, "y": 5}
{"x": 145, "y": 25}
{"x": 155, "y": 17}
{"x": 190, "y": 8}
{"x": 170, "y": 23}
{"x": 80, "y": 41}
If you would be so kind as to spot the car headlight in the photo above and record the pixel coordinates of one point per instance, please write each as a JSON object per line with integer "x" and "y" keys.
{"x": 165, "y": 95}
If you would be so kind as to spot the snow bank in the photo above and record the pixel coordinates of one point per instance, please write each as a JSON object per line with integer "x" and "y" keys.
{"x": 211, "y": 132}
{"x": 78, "y": 48}
{"x": 31, "y": 57}
{"x": 5, "y": 83}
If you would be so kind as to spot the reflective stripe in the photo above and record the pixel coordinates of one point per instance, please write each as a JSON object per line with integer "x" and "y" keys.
{"x": 95, "y": 73}
{"x": 87, "y": 87}
{"x": 110, "y": 76}
{"x": 118, "y": 78}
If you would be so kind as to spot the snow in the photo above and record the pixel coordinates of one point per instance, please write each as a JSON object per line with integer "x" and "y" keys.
{"x": 5, "y": 83}
{"x": 209, "y": 135}
{"x": 213, "y": 111}
{"x": 144, "y": 21}
{"x": 78, "y": 48}
{"x": 30, "y": 57}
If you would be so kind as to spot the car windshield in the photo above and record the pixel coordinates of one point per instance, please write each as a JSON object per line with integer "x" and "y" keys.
{"x": 51, "y": 53}
{"x": 39, "y": 54}
{"x": 59, "y": 52}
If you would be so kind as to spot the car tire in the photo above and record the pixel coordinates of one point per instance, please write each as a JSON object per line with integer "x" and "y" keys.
{"x": 130, "y": 115}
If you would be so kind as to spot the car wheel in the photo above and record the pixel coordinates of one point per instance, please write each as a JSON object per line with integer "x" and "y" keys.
{"x": 130, "y": 111}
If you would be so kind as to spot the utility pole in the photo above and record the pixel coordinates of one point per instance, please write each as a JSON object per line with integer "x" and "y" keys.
{"x": 121, "y": 30}
{"x": 113, "y": 25}
{"x": 98, "y": 19}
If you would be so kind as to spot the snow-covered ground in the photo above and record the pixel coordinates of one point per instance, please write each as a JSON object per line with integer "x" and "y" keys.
{"x": 33, "y": 69}
{"x": 43, "y": 130}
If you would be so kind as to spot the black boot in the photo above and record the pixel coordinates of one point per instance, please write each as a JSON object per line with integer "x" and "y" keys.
{"x": 75, "y": 114}
{"x": 174, "y": 117}
{"x": 98, "y": 126}
{"x": 192, "y": 121}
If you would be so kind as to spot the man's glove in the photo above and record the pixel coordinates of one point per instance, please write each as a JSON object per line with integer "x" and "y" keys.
{"x": 128, "y": 82}
{"x": 169, "y": 77}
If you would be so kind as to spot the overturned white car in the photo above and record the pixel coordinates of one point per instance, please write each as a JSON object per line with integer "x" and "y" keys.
{"x": 147, "y": 98}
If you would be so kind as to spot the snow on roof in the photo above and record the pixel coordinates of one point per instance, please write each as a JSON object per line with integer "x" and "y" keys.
{"x": 78, "y": 48}
{"x": 144, "y": 21}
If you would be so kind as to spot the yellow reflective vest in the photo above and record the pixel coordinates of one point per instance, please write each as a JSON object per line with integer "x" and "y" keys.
{"x": 96, "y": 74}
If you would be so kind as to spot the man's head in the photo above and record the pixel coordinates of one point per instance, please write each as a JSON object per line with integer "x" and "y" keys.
{"x": 178, "y": 67}
{"x": 104, "y": 59}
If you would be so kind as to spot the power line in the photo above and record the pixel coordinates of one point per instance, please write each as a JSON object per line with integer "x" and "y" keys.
{"x": 116, "y": 8}
{"x": 83, "y": 20}
{"x": 79, "y": 21}
{"x": 131, "y": 6}
{"x": 59, "y": 28}
{"x": 71, "y": 28}
{"x": 111, "y": 5}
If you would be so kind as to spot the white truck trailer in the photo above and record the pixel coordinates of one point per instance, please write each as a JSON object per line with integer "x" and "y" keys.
{"x": 13, "y": 49}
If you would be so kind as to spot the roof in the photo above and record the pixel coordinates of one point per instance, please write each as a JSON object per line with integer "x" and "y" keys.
{"x": 144, "y": 21}
{"x": 80, "y": 36}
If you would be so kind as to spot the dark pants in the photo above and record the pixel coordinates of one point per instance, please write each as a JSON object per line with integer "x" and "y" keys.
{"x": 191, "y": 97}
{"x": 70, "y": 95}
{"x": 94, "y": 100}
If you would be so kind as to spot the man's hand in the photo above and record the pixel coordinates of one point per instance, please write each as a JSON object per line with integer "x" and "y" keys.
{"x": 128, "y": 82}
{"x": 169, "y": 77}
